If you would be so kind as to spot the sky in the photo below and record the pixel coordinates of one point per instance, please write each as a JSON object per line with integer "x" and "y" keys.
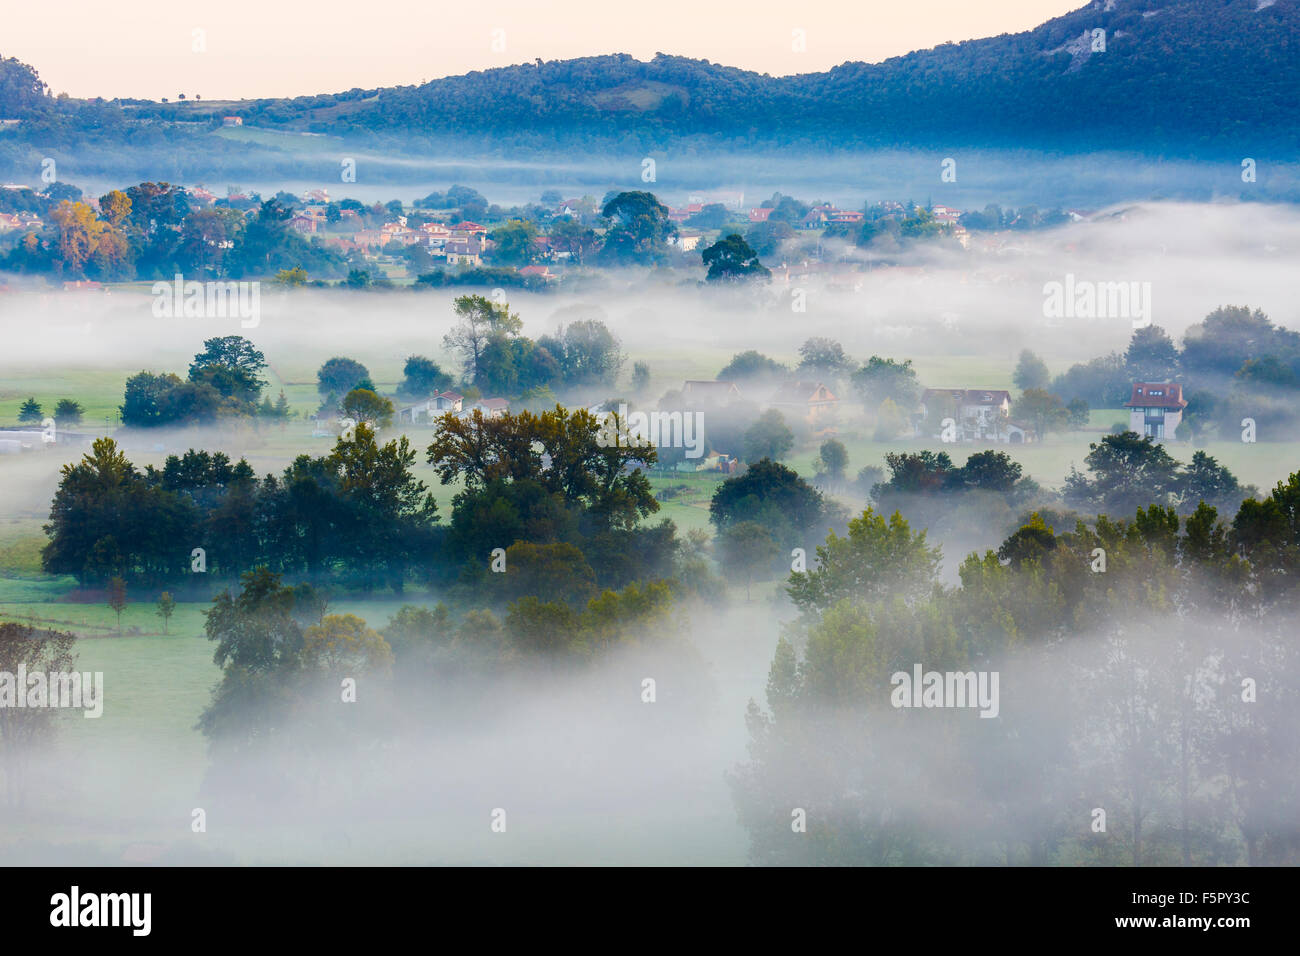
{"x": 250, "y": 48}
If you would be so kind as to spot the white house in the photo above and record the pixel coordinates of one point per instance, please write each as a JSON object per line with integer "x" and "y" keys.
{"x": 1156, "y": 409}
{"x": 978, "y": 414}
{"x": 432, "y": 407}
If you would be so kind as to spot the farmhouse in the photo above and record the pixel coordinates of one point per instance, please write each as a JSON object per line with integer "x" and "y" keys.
{"x": 435, "y": 405}
{"x": 811, "y": 401}
{"x": 977, "y": 414}
{"x": 1156, "y": 409}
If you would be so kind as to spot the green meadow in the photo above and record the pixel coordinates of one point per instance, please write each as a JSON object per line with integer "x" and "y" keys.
{"x": 170, "y": 675}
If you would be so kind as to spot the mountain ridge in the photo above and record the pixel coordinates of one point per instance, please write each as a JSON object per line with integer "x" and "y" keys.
{"x": 1185, "y": 76}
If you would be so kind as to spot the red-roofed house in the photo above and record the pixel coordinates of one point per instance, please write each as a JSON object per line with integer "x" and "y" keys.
{"x": 491, "y": 407}
{"x": 811, "y": 401}
{"x": 1156, "y": 409}
{"x": 760, "y": 215}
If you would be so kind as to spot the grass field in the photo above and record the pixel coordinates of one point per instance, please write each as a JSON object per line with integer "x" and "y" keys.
{"x": 158, "y": 684}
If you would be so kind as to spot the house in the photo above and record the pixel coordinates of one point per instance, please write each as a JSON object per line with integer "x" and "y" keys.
{"x": 540, "y": 272}
{"x": 1156, "y": 409}
{"x": 435, "y": 235}
{"x": 232, "y": 121}
{"x": 761, "y": 215}
{"x": 304, "y": 223}
{"x": 816, "y": 217}
{"x": 687, "y": 241}
{"x": 463, "y": 252}
{"x": 713, "y": 393}
{"x": 491, "y": 407}
{"x": 811, "y": 401}
{"x": 438, "y": 404}
{"x": 977, "y": 414}
{"x": 204, "y": 196}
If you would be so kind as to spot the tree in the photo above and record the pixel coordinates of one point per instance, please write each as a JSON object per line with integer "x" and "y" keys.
{"x": 1103, "y": 382}
{"x": 515, "y": 242}
{"x": 769, "y": 437}
{"x": 556, "y": 571}
{"x": 342, "y": 645}
{"x": 151, "y": 400}
{"x": 589, "y": 466}
{"x": 422, "y": 377}
{"x": 834, "y": 459}
{"x": 258, "y": 647}
{"x": 774, "y": 496}
{"x": 24, "y": 729}
{"x": 879, "y": 559}
{"x": 1043, "y": 410}
{"x": 115, "y": 207}
{"x": 117, "y": 598}
{"x": 1128, "y": 471}
{"x": 1031, "y": 372}
{"x": 79, "y": 234}
{"x": 991, "y": 471}
{"x": 68, "y": 412}
{"x": 732, "y": 260}
{"x": 295, "y": 277}
{"x": 339, "y": 375}
{"x": 640, "y": 377}
{"x": 1030, "y": 542}
{"x": 923, "y": 472}
{"x": 571, "y": 236}
{"x": 824, "y": 359}
{"x": 747, "y": 549}
{"x": 1205, "y": 480}
{"x": 638, "y": 229}
{"x": 364, "y": 405}
{"x": 1078, "y": 412}
{"x": 231, "y": 365}
{"x": 587, "y": 352}
{"x": 30, "y": 411}
{"x": 751, "y": 366}
{"x": 166, "y": 608}
{"x": 482, "y": 322}
{"x": 765, "y": 238}
{"x": 881, "y": 379}
{"x": 890, "y": 421}
{"x": 1229, "y": 336}
{"x": 1152, "y": 356}
{"x": 713, "y": 216}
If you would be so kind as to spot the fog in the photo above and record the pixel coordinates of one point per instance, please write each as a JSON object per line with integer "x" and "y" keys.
{"x": 847, "y": 177}
{"x": 587, "y": 772}
{"x": 585, "y": 769}
{"x": 985, "y": 301}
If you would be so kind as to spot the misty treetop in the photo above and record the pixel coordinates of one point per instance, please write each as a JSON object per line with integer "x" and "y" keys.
{"x": 1146, "y": 668}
